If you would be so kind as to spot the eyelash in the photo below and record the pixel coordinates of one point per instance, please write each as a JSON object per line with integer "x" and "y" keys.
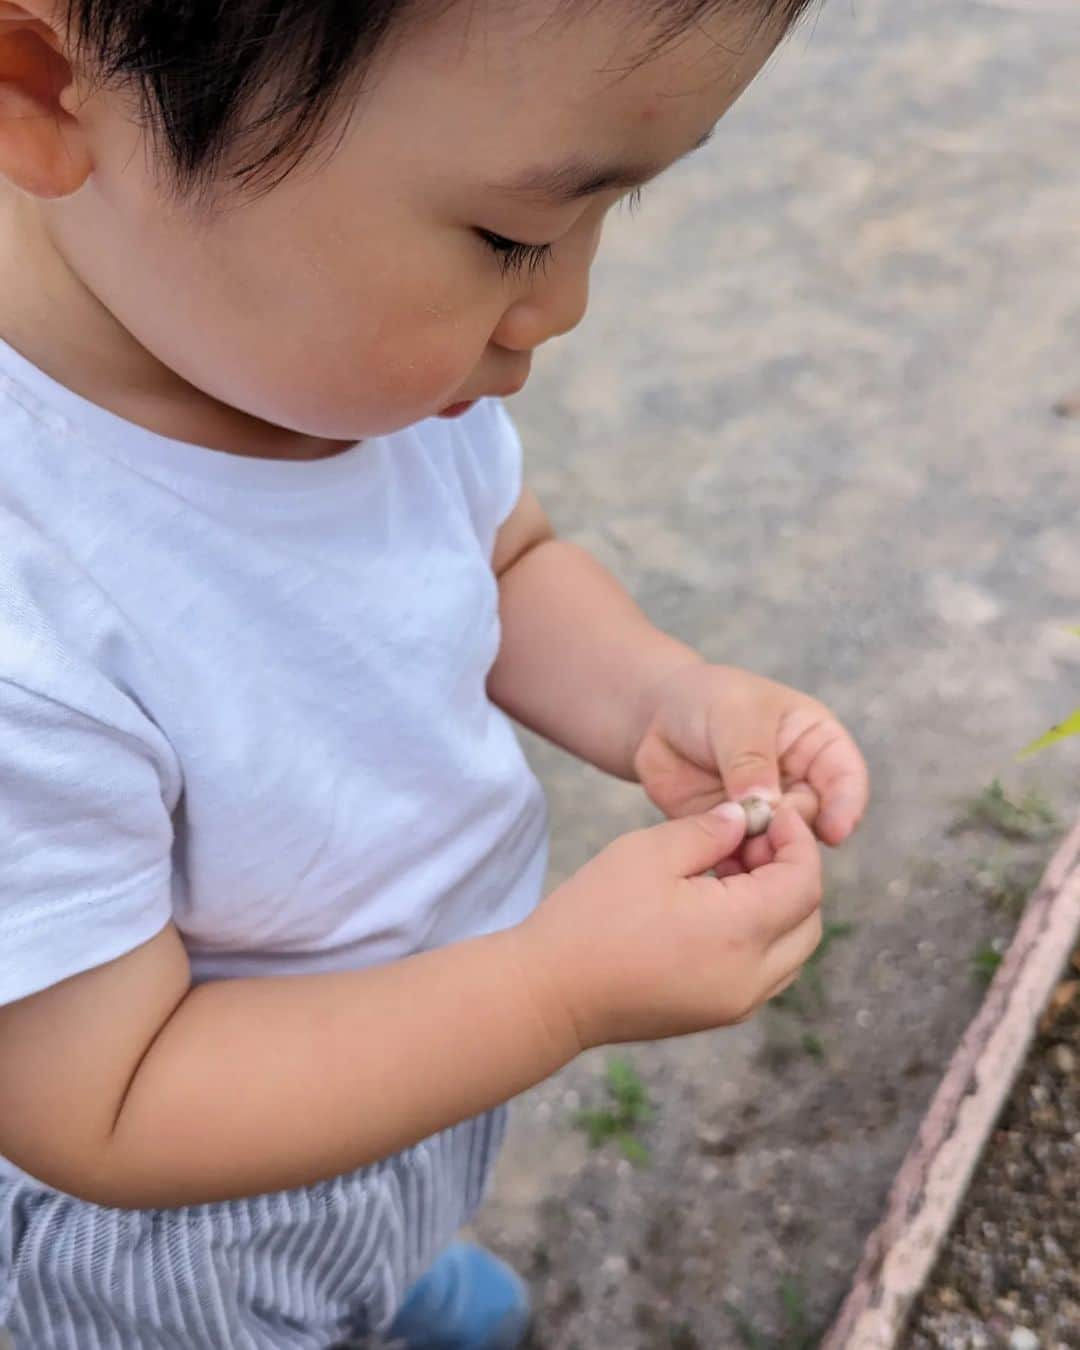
{"x": 515, "y": 258}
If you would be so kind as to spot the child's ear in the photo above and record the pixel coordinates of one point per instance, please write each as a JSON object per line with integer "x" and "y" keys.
{"x": 43, "y": 150}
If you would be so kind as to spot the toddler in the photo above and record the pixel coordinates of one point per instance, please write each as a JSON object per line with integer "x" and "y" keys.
{"x": 272, "y": 593}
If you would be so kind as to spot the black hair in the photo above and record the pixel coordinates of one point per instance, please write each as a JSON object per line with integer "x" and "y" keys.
{"x": 254, "y": 83}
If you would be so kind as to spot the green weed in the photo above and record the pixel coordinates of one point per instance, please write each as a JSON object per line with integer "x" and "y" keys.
{"x": 1006, "y": 884}
{"x": 813, "y": 1045}
{"x": 1032, "y": 817}
{"x": 985, "y": 962}
{"x": 797, "y": 1333}
{"x": 628, "y": 1107}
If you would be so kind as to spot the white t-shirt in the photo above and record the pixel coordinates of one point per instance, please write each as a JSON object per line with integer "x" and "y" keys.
{"x": 249, "y": 696}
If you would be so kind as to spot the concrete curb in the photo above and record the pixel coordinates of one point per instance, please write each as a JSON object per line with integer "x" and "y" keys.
{"x": 900, "y": 1253}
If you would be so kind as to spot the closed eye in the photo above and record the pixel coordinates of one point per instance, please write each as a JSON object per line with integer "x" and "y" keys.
{"x": 514, "y": 257}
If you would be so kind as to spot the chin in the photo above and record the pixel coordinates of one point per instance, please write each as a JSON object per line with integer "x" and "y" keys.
{"x": 346, "y": 425}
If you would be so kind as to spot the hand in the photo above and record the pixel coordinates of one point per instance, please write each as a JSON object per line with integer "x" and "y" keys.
{"x": 641, "y": 945}
{"x": 716, "y": 733}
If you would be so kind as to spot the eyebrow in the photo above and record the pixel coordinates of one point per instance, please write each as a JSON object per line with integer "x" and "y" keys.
{"x": 577, "y": 178}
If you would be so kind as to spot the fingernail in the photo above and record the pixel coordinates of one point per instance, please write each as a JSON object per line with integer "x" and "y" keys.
{"x": 729, "y": 811}
{"x": 836, "y": 815}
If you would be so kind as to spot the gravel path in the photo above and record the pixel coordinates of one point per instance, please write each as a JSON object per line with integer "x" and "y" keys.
{"x": 1009, "y": 1276}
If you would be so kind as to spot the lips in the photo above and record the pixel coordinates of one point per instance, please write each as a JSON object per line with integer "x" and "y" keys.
{"x": 459, "y": 409}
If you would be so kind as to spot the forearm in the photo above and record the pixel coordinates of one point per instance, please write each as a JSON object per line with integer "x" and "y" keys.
{"x": 257, "y": 1085}
{"x": 579, "y": 660}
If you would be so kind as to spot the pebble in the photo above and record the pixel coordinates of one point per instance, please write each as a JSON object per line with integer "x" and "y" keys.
{"x": 864, "y": 1017}
{"x": 927, "y": 949}
{"x": 759, "y": 816}
{"x": 710, "y": 1138}
{"x": 615, "y": 1267}
{"x": 1023, "y": 1338}
{"x": 1063, "y": 1060}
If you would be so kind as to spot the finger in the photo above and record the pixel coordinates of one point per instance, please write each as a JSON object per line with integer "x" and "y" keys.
{"x": 757, "y": 852}
{"x": 780, "y": 895}
{"x": 786, "y": 957}
{"x": 747, "y": 756}
{"x": 826, "y": 756}
{"x": 807, "y": 941}
{"x": 696, "y": 844}
{"x": 804, "y": 799}
{"x": 730, "y": 867}
{"x": 774, "y": 992}
{"x": 777, "y": 990}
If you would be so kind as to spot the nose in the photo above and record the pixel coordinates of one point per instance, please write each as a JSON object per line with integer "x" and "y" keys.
{"x": 555, "y": 299}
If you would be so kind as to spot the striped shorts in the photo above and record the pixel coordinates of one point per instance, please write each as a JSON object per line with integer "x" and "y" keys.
{"x": 306, "y": 1269}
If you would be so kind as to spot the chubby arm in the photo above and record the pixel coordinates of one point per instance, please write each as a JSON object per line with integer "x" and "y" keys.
{"x": 126, "y": 1086}
{"x": 579, "y": 660}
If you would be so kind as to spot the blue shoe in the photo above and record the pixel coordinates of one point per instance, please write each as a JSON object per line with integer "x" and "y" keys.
{"x": 468, "y": 1300}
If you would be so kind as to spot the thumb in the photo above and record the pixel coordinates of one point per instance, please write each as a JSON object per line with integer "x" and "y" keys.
{"x": 695, "y": 844}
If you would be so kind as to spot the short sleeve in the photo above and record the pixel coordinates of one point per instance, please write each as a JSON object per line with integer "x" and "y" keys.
{"x": 85, "y": 840}
{"x": 507, "y": 480}
{"x": 490, "y": 466}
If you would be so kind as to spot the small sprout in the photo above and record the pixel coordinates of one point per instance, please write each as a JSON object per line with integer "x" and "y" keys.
{"x": 797, "y": 1334}
{"x": 628, "y": 1107}
{"x": 985, "y": 963}
{"x": 759, "y": 814}
{"x": 1031, "y": 817}
{"x": 1006, "y": 885}
{"x": 633, "y": 1149}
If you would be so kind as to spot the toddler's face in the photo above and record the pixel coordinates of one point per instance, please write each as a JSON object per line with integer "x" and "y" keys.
{"x": 362, "y": 294}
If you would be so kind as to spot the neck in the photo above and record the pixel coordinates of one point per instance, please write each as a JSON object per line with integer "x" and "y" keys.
{"x": 50, "y": 316}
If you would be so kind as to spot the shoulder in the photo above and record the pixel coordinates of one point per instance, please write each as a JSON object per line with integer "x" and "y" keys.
{"x": 66, "y": 646}
{"x": 479, "y": 456}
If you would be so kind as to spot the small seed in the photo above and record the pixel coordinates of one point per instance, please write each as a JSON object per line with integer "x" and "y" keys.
{"x": 759, "y": 815}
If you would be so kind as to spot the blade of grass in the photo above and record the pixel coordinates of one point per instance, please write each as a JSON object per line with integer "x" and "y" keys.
{"x": 1070, "y": 727}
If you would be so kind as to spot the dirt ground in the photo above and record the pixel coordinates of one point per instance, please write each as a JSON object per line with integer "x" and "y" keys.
{"x": 1009, "y": 1276}
{"x": 824, "y": 420}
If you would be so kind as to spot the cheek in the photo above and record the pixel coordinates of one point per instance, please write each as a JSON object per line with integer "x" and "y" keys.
{"x": 406, "y": 365}
{"x": 328, "y": 333}
{"x": 377, "y": 321}
{"x": 404, "y": 346}
{"x": 303, "y": 307}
